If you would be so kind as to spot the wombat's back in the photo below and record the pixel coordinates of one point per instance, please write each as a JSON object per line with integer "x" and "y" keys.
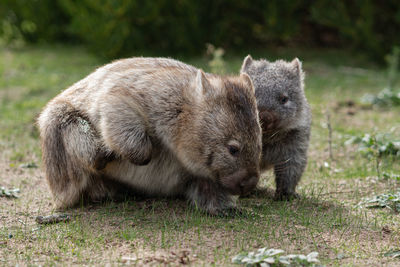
{"x": 150, "y": 76}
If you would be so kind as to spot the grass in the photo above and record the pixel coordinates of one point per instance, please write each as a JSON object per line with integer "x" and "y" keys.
{"x": 165, "y": 231}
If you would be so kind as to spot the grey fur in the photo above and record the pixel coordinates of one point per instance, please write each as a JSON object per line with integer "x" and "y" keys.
{"x": 286, "y": 125}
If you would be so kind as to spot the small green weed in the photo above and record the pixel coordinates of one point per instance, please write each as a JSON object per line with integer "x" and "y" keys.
{"x": 274, "y": 258}
{"x": 29, "y": 165}
{"x": 381, "y": 144}
{"x": 394, "y": 253}
{"x": 388, "y": 200}
{"x": 376, "y": 147}
{"x": 9, "y": 193}
{"x": 389, "y": 176}
{"x": 384, "y": 98}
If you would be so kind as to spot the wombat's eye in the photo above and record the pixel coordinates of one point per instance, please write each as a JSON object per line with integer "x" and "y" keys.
{"x": 233, "y": 150}
{"x": 283, "y": 99}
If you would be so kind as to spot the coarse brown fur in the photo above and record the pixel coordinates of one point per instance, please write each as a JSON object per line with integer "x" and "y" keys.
{"x": 157, "y": 125}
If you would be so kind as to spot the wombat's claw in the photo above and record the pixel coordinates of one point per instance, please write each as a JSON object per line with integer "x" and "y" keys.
{"x": 102, "y": 159}
{"x": 286, "y": 196}
{"x": 259, "y": 193}
{"x": 229, "y": 213}
{"x": 141, "y": 162}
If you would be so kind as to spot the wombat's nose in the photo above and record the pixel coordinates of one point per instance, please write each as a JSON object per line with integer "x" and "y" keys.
{"x": 269, "y": 125}
{"x": 269, "y": 119}
{"x": 246, "y": 185}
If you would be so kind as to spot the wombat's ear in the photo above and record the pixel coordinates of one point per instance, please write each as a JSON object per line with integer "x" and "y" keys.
{"x": 202, "y": 84}
{"x": 296, "y": 63}
{"x": 247, "y": 81}
{"x": 246, "y": 64}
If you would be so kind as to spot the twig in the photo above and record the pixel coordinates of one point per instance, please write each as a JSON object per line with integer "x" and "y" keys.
{"x": 377, "y": 157}
{"x": 54, "y": 218}
{"x": 337, "y": 192}
{"x": 328, "y": 124}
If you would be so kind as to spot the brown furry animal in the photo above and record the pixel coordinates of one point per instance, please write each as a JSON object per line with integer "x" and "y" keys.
{"x": 157, "y": 125}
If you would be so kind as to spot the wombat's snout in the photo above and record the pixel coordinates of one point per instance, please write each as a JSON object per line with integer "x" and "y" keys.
{"x": 247, "y": 185}
{"x": 269, "y": 119}
{"x": 241, "y": 182}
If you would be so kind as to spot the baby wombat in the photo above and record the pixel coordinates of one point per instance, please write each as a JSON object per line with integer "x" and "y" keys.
{"x": 285, "y": 120}
{"x": 158, "y": 126}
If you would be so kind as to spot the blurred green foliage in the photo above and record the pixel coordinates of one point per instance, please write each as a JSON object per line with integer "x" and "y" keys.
{"x": 35, "y": 20}
{"x": 117, "y": 27}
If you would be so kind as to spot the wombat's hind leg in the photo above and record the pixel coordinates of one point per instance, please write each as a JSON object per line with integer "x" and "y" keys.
{"x": 102, "y": 158}
{"x": 69, "y": 147}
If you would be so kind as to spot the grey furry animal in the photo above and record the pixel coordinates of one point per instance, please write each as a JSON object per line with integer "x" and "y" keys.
{"x": 285, "y": 120}
{"x": 157, "y": 126}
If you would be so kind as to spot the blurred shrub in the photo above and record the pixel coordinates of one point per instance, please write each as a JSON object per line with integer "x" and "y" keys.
{"x": 388, "y": 97}
{"x": 368, "y": 25}
{"x": 112, "y": 27}
{"x": 117, "y": 27}
{"x": 216, "y": 63}
{"x": 35, "y": 20}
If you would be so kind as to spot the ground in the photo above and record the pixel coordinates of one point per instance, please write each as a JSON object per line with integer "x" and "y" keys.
{"x": 325, "y": 219}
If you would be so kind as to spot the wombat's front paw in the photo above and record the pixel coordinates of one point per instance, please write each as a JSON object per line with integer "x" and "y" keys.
{"x": 260, "y": 193}
{"x": 280, "y": 196}
{"x": 231, "y": 212}
{"x": 141, "y": 154}
{"x": 140, "y": 161}
{"x": 209, "y": 197}
{"x": 101, "y": 160}
{"x": 227, "y": 209}
{"x": 225, "y": 213}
